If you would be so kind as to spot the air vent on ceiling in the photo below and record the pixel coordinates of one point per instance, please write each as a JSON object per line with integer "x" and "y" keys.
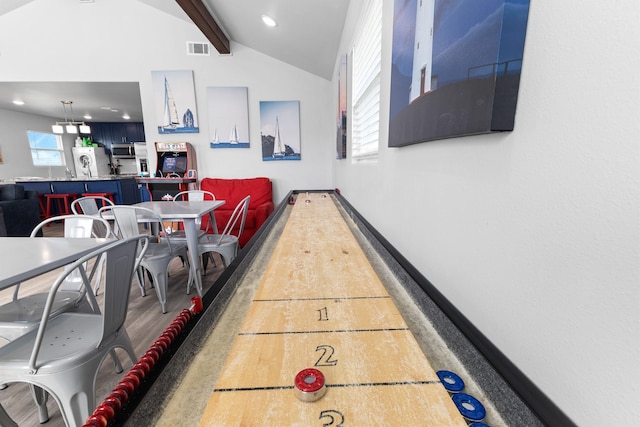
{"x": 198, "y": 48}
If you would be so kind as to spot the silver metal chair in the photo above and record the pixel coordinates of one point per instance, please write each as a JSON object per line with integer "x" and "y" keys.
{"x": 23, "y": 313}
{"x": 225, "y": 243}
{"x": 63, "y": 355}
{"x": 161, "y": 250}
{"x": 195, "y": 195}
{"x": 88, "y": 205}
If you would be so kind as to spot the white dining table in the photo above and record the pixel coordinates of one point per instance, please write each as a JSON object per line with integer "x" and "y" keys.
{"x": 190, "y": 214}
{"x": 24, "y": 258}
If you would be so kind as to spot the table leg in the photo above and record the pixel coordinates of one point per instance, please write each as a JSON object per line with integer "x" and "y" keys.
{"x": 191, "y": 233}
{"x": 212, "y": 219}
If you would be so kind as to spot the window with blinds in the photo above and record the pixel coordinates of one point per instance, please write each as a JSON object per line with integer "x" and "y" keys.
{"x": 365, "y": 85}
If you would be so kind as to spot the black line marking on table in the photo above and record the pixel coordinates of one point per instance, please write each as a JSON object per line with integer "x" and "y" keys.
{"x": 320, "y": 299}
{"x": 325, "y": 331}
{"x": 289, "y": 387}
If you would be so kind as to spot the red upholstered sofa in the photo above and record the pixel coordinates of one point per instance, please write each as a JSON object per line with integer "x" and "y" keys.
{"x": 232, "y": 191}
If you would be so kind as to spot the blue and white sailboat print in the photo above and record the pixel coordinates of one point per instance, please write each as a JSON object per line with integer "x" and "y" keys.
{"x": 278, "y": 147}
{"x": 170, "y": 111}
{"x": 228, "y": 117}
{"x": 176, "y": 110}
{"x": 215, "y": 139}
{"x": 233, "y": 137}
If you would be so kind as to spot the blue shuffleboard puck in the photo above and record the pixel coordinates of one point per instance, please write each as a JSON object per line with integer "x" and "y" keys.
{"x": 452, "y": 382}
{"x": 469, "y": 407}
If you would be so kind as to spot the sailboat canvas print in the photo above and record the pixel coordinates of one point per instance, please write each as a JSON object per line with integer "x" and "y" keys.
{"x": 228, "y": 117}
{"x": 175, "y": 101}
{"x": 280, "y": 130}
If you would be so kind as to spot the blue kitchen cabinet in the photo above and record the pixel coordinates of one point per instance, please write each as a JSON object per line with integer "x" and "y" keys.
{"x": 125, "y": 191}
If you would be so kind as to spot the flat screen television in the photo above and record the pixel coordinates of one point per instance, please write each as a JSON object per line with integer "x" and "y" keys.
{"x": 173, "y": 164}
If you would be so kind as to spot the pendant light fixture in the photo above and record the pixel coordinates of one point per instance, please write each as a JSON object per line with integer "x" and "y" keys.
{"x": 70, "y": 126}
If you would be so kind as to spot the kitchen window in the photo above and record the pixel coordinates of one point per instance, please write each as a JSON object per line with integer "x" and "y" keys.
{"x": 46, "y": 149}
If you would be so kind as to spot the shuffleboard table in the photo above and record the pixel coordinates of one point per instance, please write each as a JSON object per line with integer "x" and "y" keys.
{"x": 315, "y": 290}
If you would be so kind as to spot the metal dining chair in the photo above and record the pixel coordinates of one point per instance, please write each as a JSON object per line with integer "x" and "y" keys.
{"x": 194, "y": 196}
{"x": 22, "y": 314}
{"x": 88, "y": 205}
{"x": 161, "y": 251}
{"x": 225, "y": 243}
{"x": 64, "y": 354}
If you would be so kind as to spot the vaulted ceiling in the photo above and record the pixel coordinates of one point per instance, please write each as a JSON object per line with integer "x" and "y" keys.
{"x": 307, "y": 36}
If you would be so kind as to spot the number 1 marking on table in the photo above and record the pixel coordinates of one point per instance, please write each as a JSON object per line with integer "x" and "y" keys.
{"x": 324, "y": 314}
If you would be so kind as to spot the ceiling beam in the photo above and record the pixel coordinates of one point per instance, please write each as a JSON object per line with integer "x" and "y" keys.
{"x": 203, "y": 19}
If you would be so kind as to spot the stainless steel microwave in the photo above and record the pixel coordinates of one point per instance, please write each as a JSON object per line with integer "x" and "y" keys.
{"x": 123, "y": 151}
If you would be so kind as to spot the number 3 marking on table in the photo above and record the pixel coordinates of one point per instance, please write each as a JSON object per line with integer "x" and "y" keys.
{"x": 326, "y": 357}
{"x": 333, "y": 416}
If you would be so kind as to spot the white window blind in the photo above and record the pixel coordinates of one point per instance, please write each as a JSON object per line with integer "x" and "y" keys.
{"x": 365, "y": 92}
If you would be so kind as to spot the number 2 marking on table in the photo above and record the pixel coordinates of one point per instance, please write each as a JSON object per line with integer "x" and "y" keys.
{"x": 326, "y": 357}
{"x": 324, "y": 314}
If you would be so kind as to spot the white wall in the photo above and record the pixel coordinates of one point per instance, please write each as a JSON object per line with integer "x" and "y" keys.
{"x": 120, "y": 40}
{"x": 534, "y": 234}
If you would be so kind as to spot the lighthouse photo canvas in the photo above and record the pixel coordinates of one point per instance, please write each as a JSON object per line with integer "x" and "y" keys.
{"x": 455, "y": 68}
{"x": 175, "y": 101}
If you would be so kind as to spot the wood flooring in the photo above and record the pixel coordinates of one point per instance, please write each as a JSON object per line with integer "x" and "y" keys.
{"x": 145, "y": 322}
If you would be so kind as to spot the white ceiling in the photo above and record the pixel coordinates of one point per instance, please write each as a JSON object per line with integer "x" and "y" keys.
{"x": 307, "y": 36}
{"x": 44, "y": 99}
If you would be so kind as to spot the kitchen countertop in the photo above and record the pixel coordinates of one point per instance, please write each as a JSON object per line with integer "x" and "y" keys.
{"x": 164, "y": 180}
{"x": 45, "y": 179}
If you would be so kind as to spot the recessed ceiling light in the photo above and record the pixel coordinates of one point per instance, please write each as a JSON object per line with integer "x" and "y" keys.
{"x": 268, "y": 21}
{"x": 87, "y": 117}
{"x": 18, "y": 102}
{"x": 126, "y": 116}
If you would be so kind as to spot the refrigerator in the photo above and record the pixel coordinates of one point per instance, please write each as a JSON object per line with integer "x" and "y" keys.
{"x": 91, "y": 162}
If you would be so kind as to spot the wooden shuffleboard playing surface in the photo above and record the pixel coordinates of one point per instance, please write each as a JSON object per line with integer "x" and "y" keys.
{"x": 320, "y": 305}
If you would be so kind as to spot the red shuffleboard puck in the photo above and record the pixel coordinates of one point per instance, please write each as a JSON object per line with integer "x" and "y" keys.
{"x": 310, "y": 385}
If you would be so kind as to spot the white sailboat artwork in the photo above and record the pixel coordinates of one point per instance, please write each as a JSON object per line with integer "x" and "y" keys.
{"x": 175, "y": 102}
{"x": 280, "y": 130}
{"x": 278, "y": 147}
{"x": 228, "y": 116}
{"x": 170, "y": 110}
{"x": 233, "y": 138}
